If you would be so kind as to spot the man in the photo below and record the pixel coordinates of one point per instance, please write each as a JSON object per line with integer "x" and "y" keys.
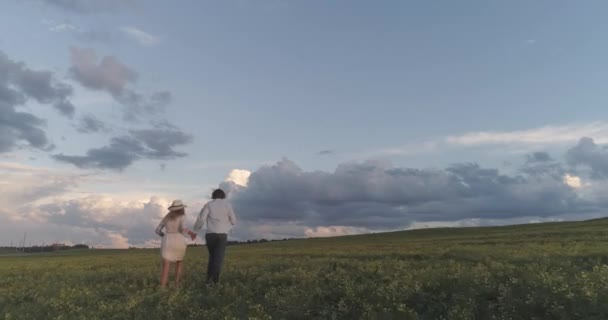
{"x": 218, "y": 218}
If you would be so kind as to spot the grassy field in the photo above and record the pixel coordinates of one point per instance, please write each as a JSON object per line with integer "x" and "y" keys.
{"x": 539, "y": 271}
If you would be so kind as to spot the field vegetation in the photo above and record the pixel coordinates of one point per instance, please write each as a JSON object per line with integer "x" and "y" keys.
{"x": 536, "y": 271}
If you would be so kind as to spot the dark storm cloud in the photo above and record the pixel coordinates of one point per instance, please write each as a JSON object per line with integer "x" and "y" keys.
{"x": 123, "y": 151}
{"x": 18, "y": 127}
{"x": 589, "y": 155}
{"x": 113, "y": 76}
{"x": 377, "y": 195}
{"x": 18, "y": 84}
{"x": 540, "y": 164}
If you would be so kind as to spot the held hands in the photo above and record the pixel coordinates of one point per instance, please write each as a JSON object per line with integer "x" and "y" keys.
{"x": 190, "y": 233}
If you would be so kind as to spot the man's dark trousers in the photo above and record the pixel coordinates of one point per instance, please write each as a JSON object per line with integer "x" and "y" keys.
{"x": 216, "y": 244}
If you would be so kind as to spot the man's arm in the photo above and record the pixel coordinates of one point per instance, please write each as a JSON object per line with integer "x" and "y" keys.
{"x": 187, "y": 231}
{"x": 201, "y": 219}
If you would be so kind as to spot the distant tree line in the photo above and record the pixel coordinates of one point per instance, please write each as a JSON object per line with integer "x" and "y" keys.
{"x": 60, "y": 246}
{"x": 48, "y": 248}
{"x": 232, "y": 242}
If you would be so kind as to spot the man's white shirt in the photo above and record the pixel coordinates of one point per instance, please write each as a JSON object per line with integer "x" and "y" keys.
{"x": 217, "y": 216}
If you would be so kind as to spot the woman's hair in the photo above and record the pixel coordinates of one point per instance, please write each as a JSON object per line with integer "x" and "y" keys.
{"x": 218, "y": 194}
{"x": 174, "y": 214}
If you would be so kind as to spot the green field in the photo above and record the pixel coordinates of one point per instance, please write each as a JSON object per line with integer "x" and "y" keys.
{"x": 539, "y": 271}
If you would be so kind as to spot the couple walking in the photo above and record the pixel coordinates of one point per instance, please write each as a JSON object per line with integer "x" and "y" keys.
{"x": 216, "y": 216}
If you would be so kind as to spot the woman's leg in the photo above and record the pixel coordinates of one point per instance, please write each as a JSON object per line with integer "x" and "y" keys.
{"x": 164, "y": 275}
{"x": 178, "y": 272}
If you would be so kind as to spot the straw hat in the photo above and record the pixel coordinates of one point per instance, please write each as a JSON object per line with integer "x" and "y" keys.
{"x": 176, "y": 205}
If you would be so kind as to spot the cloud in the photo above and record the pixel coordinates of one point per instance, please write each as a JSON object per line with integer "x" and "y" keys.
{"x": 589, "y": 155}
{"x": 539, "y": 136}
{"x": 239, "y": 177}
{"x": 539, "y": 157}
{"x": 91, "y": 124}
{"x": 119, "y": 154}
{"x": 108, "y": 222}
{"x": 376, "y": 195}
{"x": 65, "y": 107}
{"x": 518, "y": 140}
{"x": 282, "y": 200}
{"x": 333, "y": 231}
{"x": 541, "y": 164}
{"x": 20, "y": 126}
{"x": 160, "y": 142}
{"x": 573, "y": 181}
{"x": 113, "y": 76}
{"x": 18, "y": 85}
{"x": 248, "y": 230}
{"x": 54, "y": 205}
{"x": 138, "y": 104}
{"x": 25, "y": 184}
{"x": 91, "y": 6}
{"x": 124, "y": 150}
{"x": 118, "y": 241}
{"x": 142, "y": 37}
{"x": 109, "y": 74}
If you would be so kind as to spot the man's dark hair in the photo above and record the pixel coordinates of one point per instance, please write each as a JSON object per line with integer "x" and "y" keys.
{"x": 218, "y": 194}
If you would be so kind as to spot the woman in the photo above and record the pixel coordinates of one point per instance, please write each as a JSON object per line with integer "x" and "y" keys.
{"x": 217, "y": 215}
{"x": 173, "y": 246}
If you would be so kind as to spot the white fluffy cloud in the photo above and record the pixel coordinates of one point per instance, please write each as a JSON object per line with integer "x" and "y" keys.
{"x": 61, "y": 206}
{"x": 239, "y": 177}
{"x": 133, "y": 220}
{"x": 573, "y": 181}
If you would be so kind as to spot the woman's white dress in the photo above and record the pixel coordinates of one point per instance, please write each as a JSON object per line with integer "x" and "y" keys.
{"x": 173, "y": 245}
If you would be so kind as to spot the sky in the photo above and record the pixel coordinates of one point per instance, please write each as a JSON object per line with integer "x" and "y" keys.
{"x": 320, "y": 118}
